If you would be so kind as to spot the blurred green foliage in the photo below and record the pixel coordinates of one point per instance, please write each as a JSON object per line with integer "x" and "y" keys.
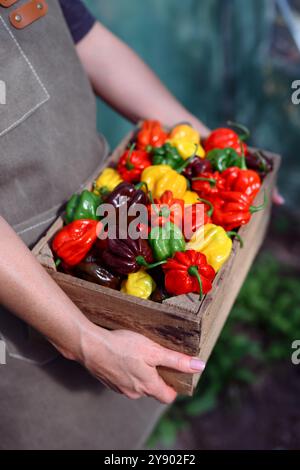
{"x": 232, "y": 59}
{"x": 261, "y": 328}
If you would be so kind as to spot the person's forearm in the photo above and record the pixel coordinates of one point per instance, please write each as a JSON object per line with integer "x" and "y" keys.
{"x": 29, "y": 292}
{"x": 123, "y": 80}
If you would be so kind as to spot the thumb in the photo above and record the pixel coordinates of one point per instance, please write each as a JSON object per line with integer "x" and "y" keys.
{"x": 180, "y": 362}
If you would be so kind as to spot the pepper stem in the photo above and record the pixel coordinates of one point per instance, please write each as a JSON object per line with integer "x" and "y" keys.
{"x": 240, "y": 127}
{"x": 232, "y": 234}
{"x": 262, "y": 160}
{"x": 193, "y": 271}
{"x": 156, "y": 210}
{"x": 57, "y": 262}
{"x": 140, "y": 185}
{"x": 212, "y": 181}
{"x": 130, "y": 165}
{"x": 243, "y": 164}
{"x": 142, "y": 262}
{"x": 208, "y": 203}
{"x": 254, "y": 209}
{"x": 188, "y": 160}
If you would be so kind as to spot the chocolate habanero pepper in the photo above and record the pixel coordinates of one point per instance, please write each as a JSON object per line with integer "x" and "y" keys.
{"x": 125, "y": 196}
{"x": 259, "y": 162}
{"x": 151, "y": 134}
{"x": 196, "y": 167}
{"x": 73, "y": 242}
{"x": 227, "y": 138}
{"x": 132, "y": 163}
{"x": 188, "y": 272}
{"x": 82, "y": 206}
{"x": 91, "y": 269}
{"x": 126, "y": 256}
{"x": 233, "y": 209}
{"x": 165, "y": 241}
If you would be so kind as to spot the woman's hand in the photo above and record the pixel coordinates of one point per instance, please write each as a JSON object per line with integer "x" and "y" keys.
{"x": 127, "y": 361}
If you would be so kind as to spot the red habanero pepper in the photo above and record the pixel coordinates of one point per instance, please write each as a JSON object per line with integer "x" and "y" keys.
{"x": 208, "y": 184}
{"x": 227, "y": 138}
{"x": 233, "y": 209}
{"x": 73, "y": 242}
{"x": 151, "y": 134}
{"x": 188, "y": 272}
{"x": 242, "y": 181}
{"x": 132, "y": 163}
{"x": 166, "y": 209}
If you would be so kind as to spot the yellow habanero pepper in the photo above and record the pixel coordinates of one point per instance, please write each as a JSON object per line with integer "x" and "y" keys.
{"x": 190, "y": 197}
{"x": 107, "y": 181}
{"x": 214, "y": 243}
{"x": 160, "y": 178}
{"x": 185, "y": 138}
{"x": 139, "y": 284}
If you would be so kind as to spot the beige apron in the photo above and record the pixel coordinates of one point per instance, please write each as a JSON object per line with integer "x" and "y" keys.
{"x": 49, "y": 148}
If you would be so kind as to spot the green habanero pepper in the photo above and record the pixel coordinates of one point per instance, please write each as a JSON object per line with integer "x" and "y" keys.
{"x": 165, "y": 241}
{"x": 222, "y": 159}
{"x": 167, "y": 155}
{"x": 82, "y": 206}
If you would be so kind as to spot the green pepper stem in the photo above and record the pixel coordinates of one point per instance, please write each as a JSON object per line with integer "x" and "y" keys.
{"x": 262, "y": 161}
{"x": 140, "y": 185}
{"x": 193, "y": 271}
{"x": 150, "y": 195}
{"x": 240, "y": 127}
{"x": 254, "y": 209}
{"x": 211, "y": 207}
{"x": 142, "y": 262}
{"x": 130, "y": 165}
{"x": 212, "y": 181}
{"x": 232, "y": 234}
{"x": 57, "y": 262}
{"x": 187, "y": 161}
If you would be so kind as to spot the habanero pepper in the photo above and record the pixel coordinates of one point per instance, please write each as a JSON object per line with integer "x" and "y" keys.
{"x": 107, "y": 181}
{"x": 221, "y": 159}
{"x": 185, "y": 139}
{"x": 82, "y": 206}
{"x": 233, "y": 209}
{"x": 139, "y": 285}
{"x": 214, "y": 243}
{"x": 188, "y": 272}
{"x": 73, "y": 242}
{"x": 165, "y": 209}
{"x": 167, "y": 155}
{"x": 91, "y": 269}
{"x": 132, "y": 163}
{"x": 124, "y": 256}
{"x": 160, "y": 178}
{"x": 151, "y": 134}
{"x": 165, "y": 241}
{"x": 227, "y": 138}
{"x": 208, "y": 184}
{"x": 242, "y": 181}
{"x": 196, "y": 167}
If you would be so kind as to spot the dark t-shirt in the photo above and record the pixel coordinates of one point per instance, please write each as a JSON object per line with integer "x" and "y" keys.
{"x": 79, "y": 19}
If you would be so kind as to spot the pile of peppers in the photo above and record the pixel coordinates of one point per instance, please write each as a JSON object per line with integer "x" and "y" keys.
{"x": 173, "y": 174}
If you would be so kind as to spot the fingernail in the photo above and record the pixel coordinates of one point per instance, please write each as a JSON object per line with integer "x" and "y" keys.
{"x": 197, "y": 364}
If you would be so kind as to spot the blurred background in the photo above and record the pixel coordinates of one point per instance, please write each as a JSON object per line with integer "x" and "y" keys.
{"x": 234, "y": 59}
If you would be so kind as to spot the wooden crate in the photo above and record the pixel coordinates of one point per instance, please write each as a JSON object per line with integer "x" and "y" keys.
{"x": 181, "y": 323}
